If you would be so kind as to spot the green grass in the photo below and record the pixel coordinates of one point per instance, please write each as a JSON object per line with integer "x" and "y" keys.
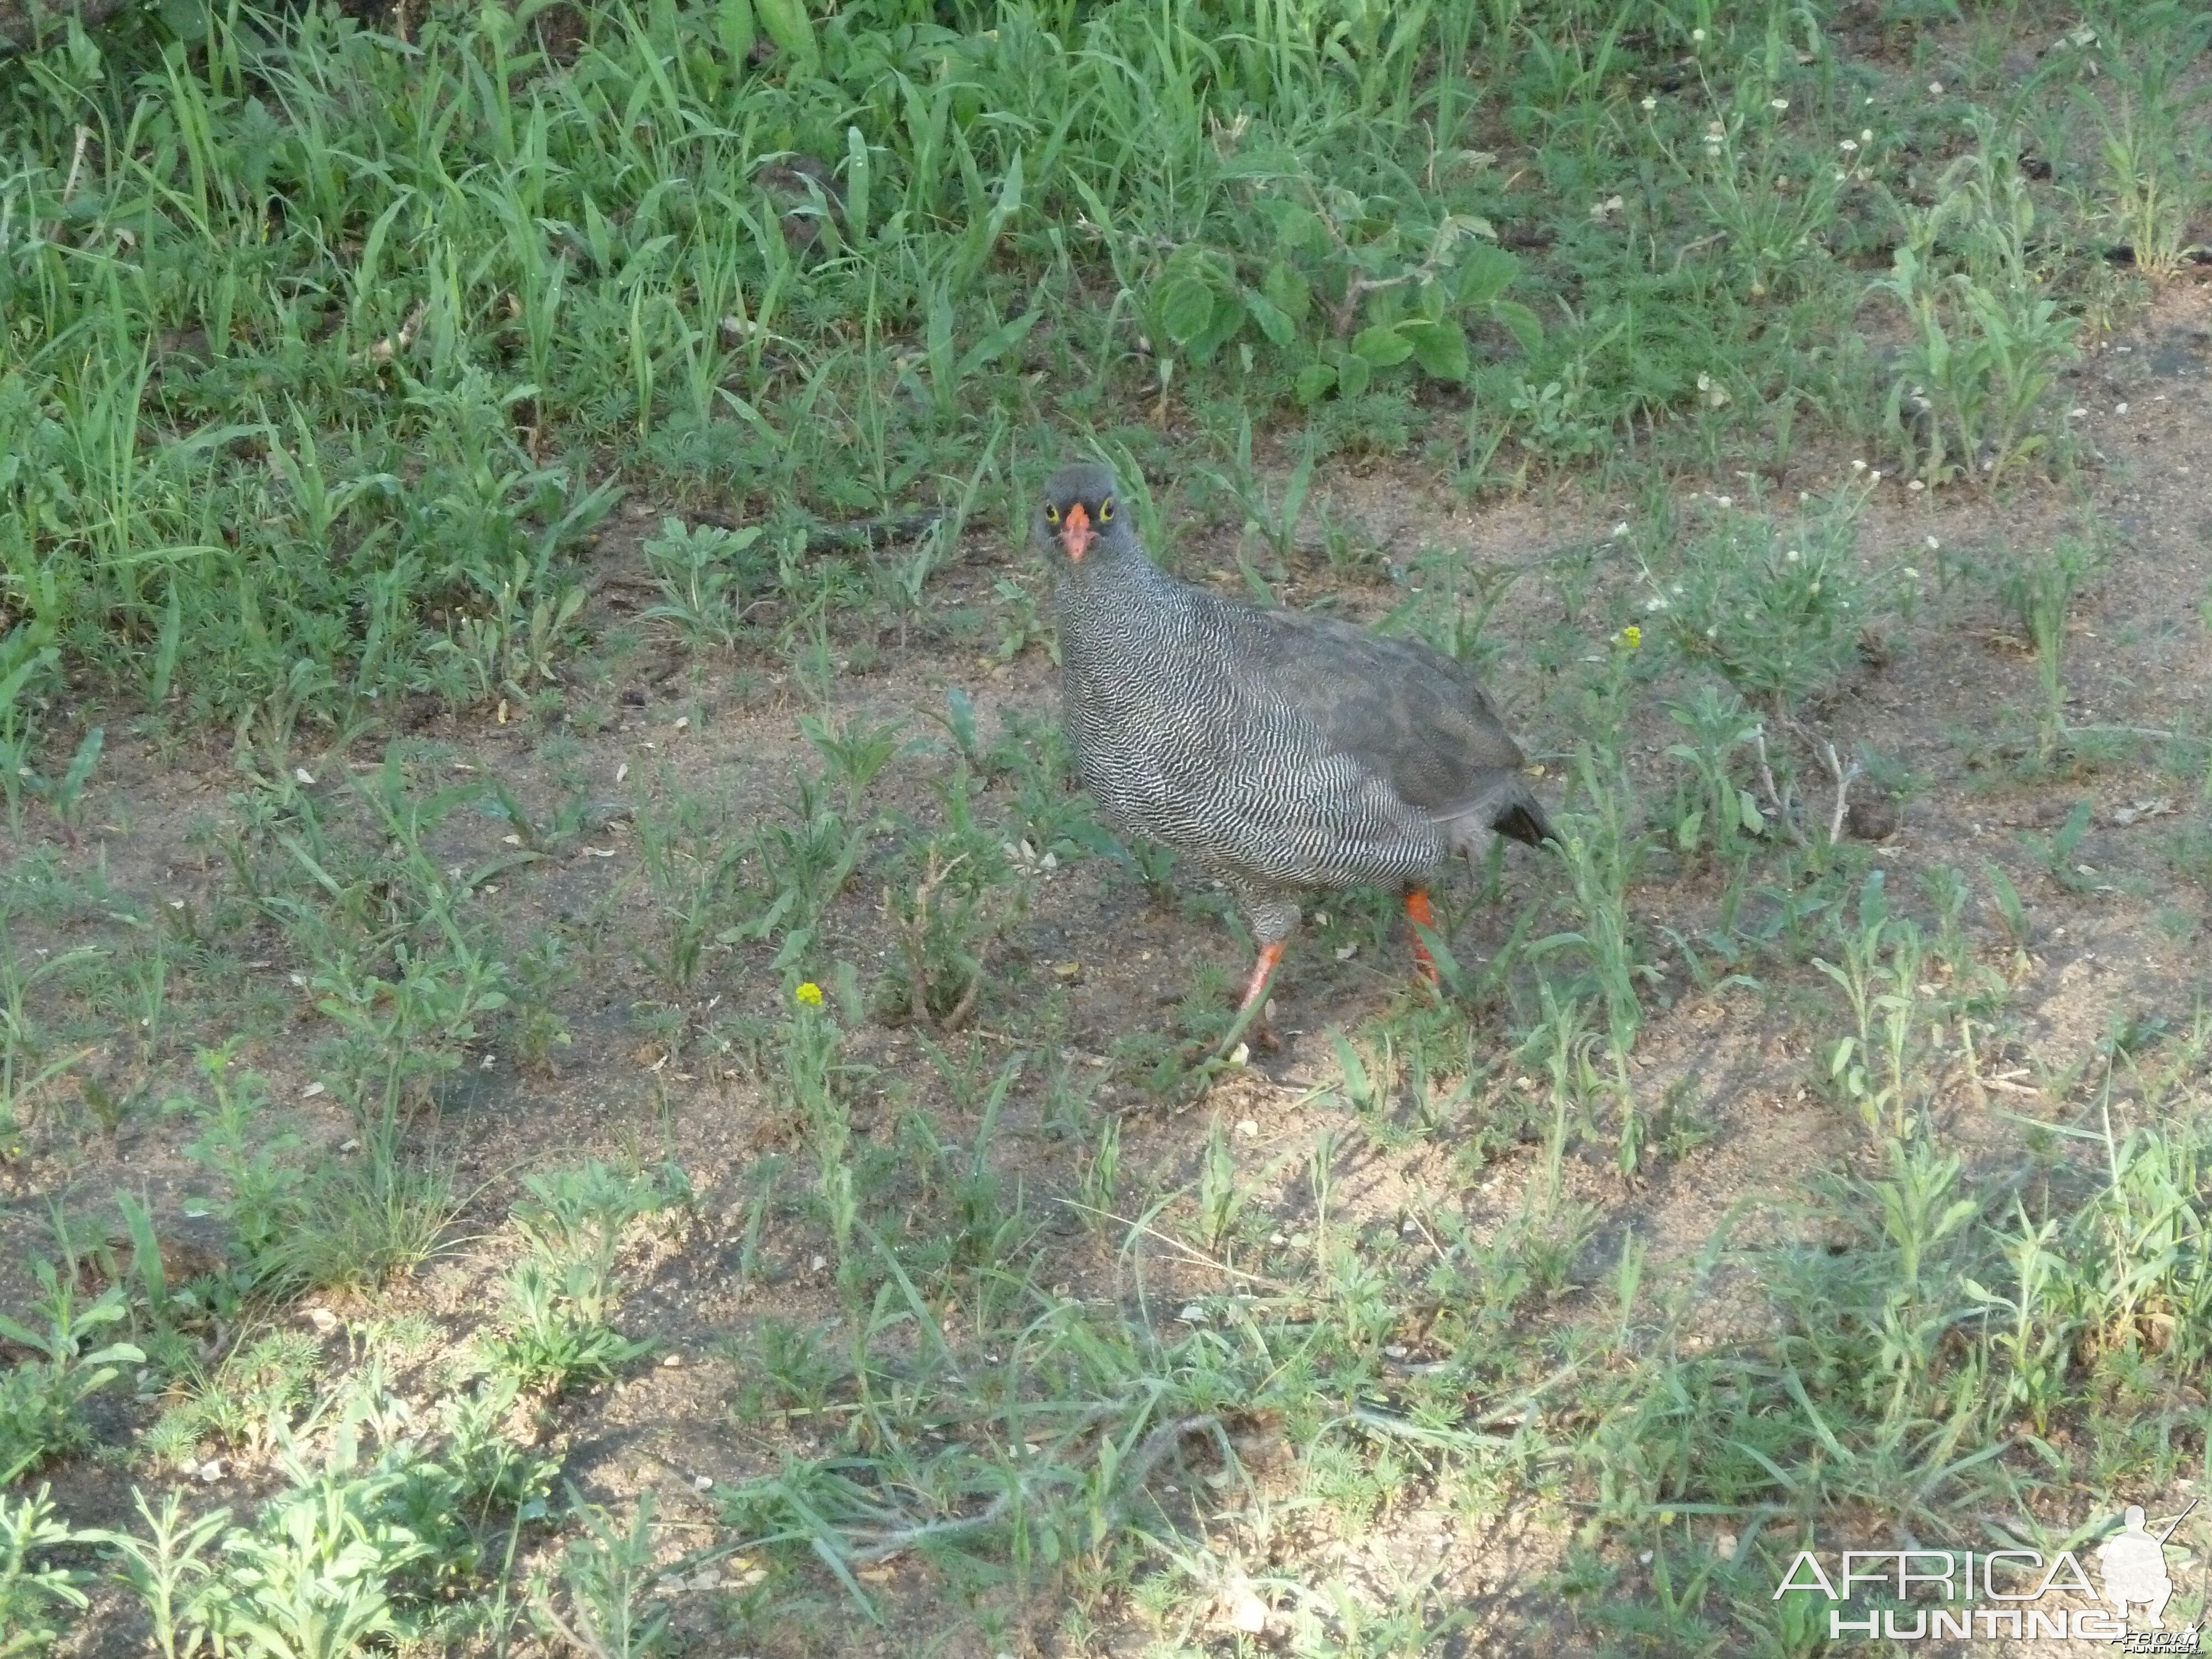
{"x": 335, "y": 353}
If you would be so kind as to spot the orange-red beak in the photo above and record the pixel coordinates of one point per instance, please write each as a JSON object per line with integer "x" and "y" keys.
{"x": 1076, "y": 534}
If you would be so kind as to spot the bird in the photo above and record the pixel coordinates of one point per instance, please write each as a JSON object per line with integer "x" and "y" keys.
{"x": 1283, "y": 752}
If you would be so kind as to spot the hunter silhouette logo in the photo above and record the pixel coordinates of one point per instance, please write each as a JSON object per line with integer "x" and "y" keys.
{"x": 2132, "y": 1564}
{"x": 2018, "y": 1595}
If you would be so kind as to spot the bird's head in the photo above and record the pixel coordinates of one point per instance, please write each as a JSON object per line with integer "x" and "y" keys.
{"x": 1082, "y": 513}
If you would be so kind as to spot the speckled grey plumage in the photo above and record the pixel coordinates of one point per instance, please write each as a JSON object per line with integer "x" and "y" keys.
{"x": 1285, "y": 752}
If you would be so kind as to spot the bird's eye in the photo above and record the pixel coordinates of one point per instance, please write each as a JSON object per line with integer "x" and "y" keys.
{"x": 1052, "y": 515}
{"x": 1106, "y": 511}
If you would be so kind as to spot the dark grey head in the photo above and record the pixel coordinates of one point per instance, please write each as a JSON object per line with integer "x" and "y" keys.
{"x": 1082, "y": 514}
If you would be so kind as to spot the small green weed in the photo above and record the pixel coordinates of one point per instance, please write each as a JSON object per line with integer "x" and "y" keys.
{"x": 2039, "y": 592}
{"x": 708, "y": 577}
{"x": 561, "y": 1296}
{"x": 1989, "y": 339}
{"x": 35, "y": 1594}
{"x": 1776, "y": 610}
{"x": 2058, "y": 851}
{"x": 608, "y": 1576}
{"x": 41, "y": 1399}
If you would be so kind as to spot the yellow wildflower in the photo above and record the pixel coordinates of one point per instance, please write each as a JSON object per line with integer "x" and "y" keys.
{"x": 1633, "y": 637}
{"x": 810, "y": 995}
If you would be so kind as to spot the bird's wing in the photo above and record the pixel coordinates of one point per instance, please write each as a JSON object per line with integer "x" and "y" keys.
{"x": 1315, "y": 819}
{"x": 1404, "y": 711}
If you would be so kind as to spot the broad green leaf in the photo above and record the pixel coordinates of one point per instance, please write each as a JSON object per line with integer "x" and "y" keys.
{"x": 1300, "y": 228}
{"x": 1186, "y": 308}
{"x": 1313, "y": 381}
{"x": 1485, "y": 272}
{"x": 1287, "y": 291}
{"x": 1273, "y": 321}
{"x": 1439, "y": 348}
{"x": 1228, "y": 319}
{"x": 1380, "y": 348}
{"x": 1520, "y": 322}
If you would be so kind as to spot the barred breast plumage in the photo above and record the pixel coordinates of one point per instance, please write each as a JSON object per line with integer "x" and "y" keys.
{"x": 1285, "y": 752}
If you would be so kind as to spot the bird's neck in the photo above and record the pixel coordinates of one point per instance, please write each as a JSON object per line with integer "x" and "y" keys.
{"x": 1115, "y": 580}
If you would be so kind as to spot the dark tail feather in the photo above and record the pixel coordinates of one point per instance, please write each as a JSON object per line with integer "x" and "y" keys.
{"x": 1524, "y": 821}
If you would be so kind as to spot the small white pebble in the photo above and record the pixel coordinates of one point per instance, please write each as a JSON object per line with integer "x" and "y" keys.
{"x": 1248, "y": 1128}
{"x": 210, "y": 1470}
{"x": 704, "y": 1482}
{"x": 1934, "y": 89}
{"x": 1778, "y": 103}
{"x": 1916, "y": 485}
{"x": 303, "y": 774}
{"x": 2119, "y": 408}
{"x": 671, "y": 1361}
{"x": 1192, "y": 1314}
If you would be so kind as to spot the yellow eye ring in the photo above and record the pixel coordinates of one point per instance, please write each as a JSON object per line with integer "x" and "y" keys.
{"x": 1052, "y": 515}
{"x": 1105, "y": 511}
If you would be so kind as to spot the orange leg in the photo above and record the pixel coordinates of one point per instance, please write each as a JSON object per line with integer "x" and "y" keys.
{"x": 1262, "y": 969}
{"x": 1417, "y": 910}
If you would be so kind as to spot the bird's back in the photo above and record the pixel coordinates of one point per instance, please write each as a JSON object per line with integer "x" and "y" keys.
{"x": 1403, "y": 710}
{"x": 1277, "y": 745}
